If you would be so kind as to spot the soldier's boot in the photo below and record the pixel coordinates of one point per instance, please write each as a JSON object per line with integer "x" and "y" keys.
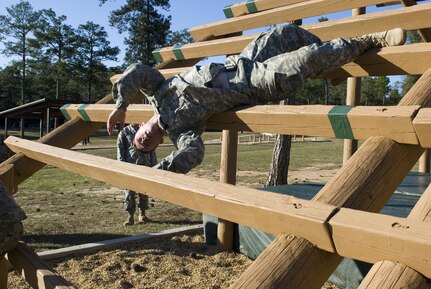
{"x": 142, "y": 218}
{"x": 130, "y": 219}
{"x": 393, "y": 37}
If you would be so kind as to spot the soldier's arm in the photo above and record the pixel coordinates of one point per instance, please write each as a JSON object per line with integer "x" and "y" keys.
{"x": 189, "y": 154}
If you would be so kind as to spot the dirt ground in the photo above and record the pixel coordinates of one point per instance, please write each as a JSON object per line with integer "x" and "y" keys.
{"x": 182, "y": 261}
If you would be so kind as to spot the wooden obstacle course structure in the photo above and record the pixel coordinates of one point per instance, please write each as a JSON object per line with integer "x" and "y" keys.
{"x": 373, "y": 173}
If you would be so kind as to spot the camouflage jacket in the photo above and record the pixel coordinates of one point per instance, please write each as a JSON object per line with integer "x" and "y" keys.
{"x": 183, "y": 104}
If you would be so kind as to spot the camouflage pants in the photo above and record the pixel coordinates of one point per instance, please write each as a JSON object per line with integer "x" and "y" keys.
{"x": 130, "y": 202}
{"x": 275, "y": 65}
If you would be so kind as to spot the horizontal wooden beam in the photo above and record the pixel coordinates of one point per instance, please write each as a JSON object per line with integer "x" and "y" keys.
{"x": 254, "y": 6}
{"x": 383, "y": 236}
{"x": 400, "y": 60}
{"x": 360, "y": 122}
{"x": 34, "y": 270}
{"x": 266, "y": 211}
{"x": 327, "y": 30}
{"x": 249, "y": 7}
{"x": 283, "y": 13}
{"x": 398, "y": 239}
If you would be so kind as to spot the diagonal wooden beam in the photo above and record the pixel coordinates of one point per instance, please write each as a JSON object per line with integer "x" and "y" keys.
{"x": 36, "y": 271}
{"x": 350, "y": 230}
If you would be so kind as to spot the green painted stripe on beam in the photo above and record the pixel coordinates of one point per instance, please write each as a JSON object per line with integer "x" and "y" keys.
{"x": 157, "y": 56}
{"x": 64, "y": 111}
{"x": 339, "y": 121}
{"x": 83, "y": 113}
{"x": 228, "y": 11}
{"x": 177, "y": 52}
{"x": 251, "y": 6}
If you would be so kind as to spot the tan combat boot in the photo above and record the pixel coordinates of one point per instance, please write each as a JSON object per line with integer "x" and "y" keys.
{"x": 142, "y": 218}
{"x": 130, "y": 220}
{"x": 393, "y": 37}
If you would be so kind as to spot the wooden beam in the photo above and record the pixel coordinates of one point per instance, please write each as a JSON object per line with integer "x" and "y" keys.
{"x": 387, "y": 61}
{"x": 373, "y": 173}
{"x": 388, "y": 274}
{"x": 271, "y": 212}
{"x": 353, "y": 97}
{"x": 378, "y": 231}
{"x": 409, "y": 18}
{"x": 424, "y": 33}
{"x": 400, "y": 60}
{"x": 34, "y": 270}
{"x": 268, "y": 211}
{"x": 228, "y": 161}
{"x": 243, "y": 8}
{"x": 288, "y": 13}
{"x": 392, "y": 121}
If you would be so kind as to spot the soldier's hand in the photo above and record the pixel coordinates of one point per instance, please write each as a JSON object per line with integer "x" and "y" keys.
{"x": 117, "y": 115}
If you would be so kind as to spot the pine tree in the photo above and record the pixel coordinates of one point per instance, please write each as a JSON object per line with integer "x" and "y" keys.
{"x": 93, "y": 49}
{"x": 17, "y": 27}
{"x": 147, "y": 28}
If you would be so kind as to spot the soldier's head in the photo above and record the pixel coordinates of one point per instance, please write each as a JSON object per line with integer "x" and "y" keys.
{"x": 149, "y": 136}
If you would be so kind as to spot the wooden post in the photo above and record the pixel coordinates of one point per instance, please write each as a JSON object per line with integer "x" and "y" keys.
{"x": 424, "y": 162}
{"x": 373, "y": 172}
{"x": 48, "y": 119}
{"x": 353, "y": 98}
{"x": 41, "y": 127}
{"x": 3, "y": 272}
{"x": 387, "y": 274}
{"x": 21, "y": 130}
{"x": 225, "y": 229}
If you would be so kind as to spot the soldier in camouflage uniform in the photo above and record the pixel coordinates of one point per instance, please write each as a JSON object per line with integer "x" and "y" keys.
{"x": 269, "y": 69}
{"x": 11, "y": 216}
{"x": 127, "y": 153}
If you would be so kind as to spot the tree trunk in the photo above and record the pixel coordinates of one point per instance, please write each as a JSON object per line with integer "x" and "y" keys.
{"x": 279, "y": 170}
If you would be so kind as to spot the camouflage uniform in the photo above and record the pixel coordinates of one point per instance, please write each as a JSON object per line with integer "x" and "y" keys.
{"x": 11, "y": 216}
{"x": 269, "y": 69}
{"x": 127, "y": 153}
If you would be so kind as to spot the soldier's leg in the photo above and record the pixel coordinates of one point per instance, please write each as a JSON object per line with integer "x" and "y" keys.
{"x": 279, "y": 40}
{"x": 283, "y": 75}
{"x": 143, "y": 205}
{"x": 129, "y": 206}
